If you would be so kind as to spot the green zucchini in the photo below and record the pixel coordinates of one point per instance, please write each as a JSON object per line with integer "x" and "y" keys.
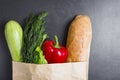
{"x": 14, "y": 38}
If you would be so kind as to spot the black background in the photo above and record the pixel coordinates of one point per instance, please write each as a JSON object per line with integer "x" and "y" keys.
{"x": 105, "y": 17}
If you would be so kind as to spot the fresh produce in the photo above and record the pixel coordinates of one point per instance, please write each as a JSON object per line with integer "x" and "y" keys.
{"x": 79, "y": 39}
{"x": 14, "y": 38}
{"x": 34, "y": 36}
{"x": 54, "y": 52}
{"x": 40, "y": 58}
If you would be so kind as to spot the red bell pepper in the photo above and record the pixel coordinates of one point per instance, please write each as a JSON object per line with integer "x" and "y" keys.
{"x": 54, "y": 52}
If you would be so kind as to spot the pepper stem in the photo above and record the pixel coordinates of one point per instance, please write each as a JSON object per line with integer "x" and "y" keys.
{"x": 56, "y": 42}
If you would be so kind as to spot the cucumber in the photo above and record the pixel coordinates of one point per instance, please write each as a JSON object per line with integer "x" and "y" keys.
{"x": 14, "y": 38}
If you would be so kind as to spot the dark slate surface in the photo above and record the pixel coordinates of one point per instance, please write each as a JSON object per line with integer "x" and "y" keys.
{"x": 105, "y": 17}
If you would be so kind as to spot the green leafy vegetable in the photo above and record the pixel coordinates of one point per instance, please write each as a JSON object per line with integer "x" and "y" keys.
{"x": 34, "y": 36}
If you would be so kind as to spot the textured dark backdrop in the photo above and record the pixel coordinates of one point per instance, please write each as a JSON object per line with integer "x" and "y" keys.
{"x": 105, "y": 17}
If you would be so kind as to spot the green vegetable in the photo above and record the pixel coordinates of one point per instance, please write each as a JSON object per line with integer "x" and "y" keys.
{"x": 14, "y": 38}
{"x": 33, "y": 37}
{"x": 39, "y": 58}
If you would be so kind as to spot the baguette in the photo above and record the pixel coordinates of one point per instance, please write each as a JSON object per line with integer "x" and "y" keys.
{"x": 79, "y": 39}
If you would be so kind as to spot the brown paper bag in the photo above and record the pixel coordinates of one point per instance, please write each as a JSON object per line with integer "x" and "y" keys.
{"x": 62, "y": 71}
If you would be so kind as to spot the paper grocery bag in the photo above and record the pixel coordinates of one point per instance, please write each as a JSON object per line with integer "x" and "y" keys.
{"x": 58, "y": 71}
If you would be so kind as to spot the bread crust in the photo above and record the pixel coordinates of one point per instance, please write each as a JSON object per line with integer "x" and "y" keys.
{"x": 79, "y": 39}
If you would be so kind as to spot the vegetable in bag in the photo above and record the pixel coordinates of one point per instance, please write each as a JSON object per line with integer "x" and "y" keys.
{"x": 14, "y": 38}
